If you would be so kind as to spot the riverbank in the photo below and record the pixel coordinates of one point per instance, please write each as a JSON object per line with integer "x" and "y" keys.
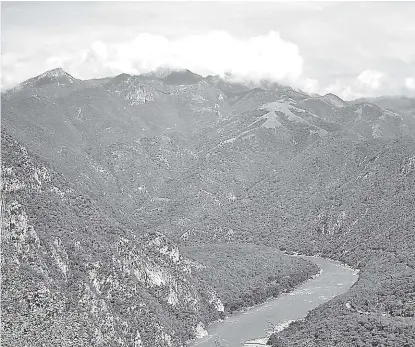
{"x": 245, "y": 275}
{"x": 377, "y": 310}
{"x": 257, "y": 322}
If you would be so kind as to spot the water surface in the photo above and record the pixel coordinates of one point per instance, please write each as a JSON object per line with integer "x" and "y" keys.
{"x": 242, "y": 328}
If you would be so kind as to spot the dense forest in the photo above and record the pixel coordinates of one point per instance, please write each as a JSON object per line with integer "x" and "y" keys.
{"x": 138, "y": 209}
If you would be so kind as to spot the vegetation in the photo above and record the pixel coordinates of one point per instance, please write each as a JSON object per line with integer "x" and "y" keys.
{"x": 244, "y": 275}
{"x": 106, "y": 182}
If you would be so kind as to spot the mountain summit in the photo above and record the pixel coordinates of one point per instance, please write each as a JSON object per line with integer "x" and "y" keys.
{"x": 57, "y": 75}
{"x": 52, "y": 83}
{"x": 333, "y": 100}
{"x": 174, "y": 77}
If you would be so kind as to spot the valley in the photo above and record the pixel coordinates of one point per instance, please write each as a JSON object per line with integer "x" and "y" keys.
{"x": 137, "y": 210}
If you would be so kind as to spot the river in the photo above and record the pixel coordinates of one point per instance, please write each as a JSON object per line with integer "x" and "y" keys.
{"x": 253, "y": 326}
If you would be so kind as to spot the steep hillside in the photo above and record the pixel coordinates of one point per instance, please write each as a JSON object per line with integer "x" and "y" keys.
{"x": 73, "y": 275}
{"x": 365, "y": 217}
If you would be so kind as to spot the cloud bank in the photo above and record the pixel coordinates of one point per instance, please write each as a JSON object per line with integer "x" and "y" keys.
{"x": 370, "y": 78}
{"x": 217, "y": 52}
{"x": 367, "y": 83}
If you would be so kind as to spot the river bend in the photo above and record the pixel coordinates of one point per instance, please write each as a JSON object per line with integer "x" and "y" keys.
{"x": 251, "y": 327}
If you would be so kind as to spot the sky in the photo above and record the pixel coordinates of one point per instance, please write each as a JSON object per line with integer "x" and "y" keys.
{"x": 352, "y": 49}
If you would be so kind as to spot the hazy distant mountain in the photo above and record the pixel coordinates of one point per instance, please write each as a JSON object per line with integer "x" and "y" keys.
{"x": 394, "y": 103}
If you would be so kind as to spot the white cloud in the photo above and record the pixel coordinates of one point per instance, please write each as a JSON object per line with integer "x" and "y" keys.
{"x": 370, "y": 78}
{"x": 410, "y": 83}
{"x": 217, "y": 52}
{"x": 366, "y": 84}
{"x": 309, "y": 85}
{"x": 344, "y": 90}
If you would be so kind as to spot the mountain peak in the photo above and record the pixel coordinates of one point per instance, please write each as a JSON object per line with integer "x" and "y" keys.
{"x": 334, "y": 100}
{"x": 182, "y": 77}
{"x": 57, "y": 72}
{"x": 159, "y": 73}
{"x": 51, "y": 76}
{"x": 120, "y": 78}
{"x": 173, "y": 76}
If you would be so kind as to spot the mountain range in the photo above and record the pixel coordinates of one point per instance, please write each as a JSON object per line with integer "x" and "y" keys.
{"x": 120, "y": 192}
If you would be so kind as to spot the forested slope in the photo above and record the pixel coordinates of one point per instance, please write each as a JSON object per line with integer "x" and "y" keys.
{"x": 74, "y": 274}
